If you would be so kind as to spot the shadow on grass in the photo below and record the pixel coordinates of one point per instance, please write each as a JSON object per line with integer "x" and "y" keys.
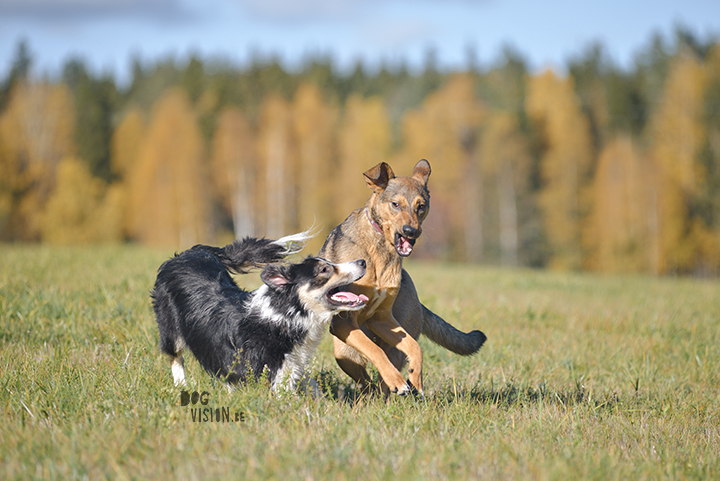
{"x": 509, "y": 395}
{"x": 512, "y": 394}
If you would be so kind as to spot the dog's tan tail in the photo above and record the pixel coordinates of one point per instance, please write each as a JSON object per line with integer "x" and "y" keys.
{"x": 445, "y": 335}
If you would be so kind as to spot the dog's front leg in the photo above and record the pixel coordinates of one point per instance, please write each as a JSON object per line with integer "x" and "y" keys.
{"x": 384, "y": 325}
{"x": 352, "y": 363}
{"x": 346, "y": 329}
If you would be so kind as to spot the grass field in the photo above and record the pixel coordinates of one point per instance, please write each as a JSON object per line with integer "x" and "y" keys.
{"x": 582, "y": 377}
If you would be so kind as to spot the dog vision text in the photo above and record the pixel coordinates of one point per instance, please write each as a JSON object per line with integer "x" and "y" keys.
{"x": 216, "y": 415}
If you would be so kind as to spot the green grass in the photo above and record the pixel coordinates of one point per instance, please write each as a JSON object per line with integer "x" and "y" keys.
{"x": 582, "y": 377}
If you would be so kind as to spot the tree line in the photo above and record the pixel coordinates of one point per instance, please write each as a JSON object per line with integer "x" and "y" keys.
{"x": 600, "y": 168}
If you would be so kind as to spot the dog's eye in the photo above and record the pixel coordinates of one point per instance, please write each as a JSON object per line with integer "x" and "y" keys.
{"x": 421, "y": 208}
{"x": 395, "y": 205}
{"x": 325, "y": 270}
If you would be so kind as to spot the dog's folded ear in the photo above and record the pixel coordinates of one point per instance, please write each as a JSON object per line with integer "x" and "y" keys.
{"x": 421, "y": 171}
{"x": 378, "y": 177}
{"x": 275, "y": 276}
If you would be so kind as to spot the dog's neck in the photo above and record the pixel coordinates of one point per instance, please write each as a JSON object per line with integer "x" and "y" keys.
{"x": 375, "y": 225}
{"x": 262, "y": 303}
{"x": 387, "y": 271}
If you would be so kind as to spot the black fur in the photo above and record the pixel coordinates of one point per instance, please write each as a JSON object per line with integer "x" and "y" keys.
{"x": 241, "y": 255}
{"x": 234, "y": 333}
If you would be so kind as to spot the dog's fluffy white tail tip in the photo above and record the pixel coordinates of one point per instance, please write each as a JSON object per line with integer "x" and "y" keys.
{"x": 294, "y": 243}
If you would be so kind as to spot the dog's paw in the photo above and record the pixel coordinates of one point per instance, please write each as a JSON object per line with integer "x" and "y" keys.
{"x": 404, "y": 389}
{"x": 409, "y": 390}
{"x": 417, "y": 393}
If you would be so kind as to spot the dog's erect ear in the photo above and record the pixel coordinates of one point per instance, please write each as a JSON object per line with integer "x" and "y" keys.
{"x": 422, "y": 171}
{"x": 275, "y": 276}
{"x": 378, "y": 177}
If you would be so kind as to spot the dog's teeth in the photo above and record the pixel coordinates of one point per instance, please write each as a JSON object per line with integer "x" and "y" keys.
{"x": 403, "y": 246}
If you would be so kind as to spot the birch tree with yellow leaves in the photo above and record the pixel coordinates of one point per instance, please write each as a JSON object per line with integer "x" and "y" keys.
{"x": 36, "y": 133}
{"x": 564, "y": 165}
{"x": 127, "y": 139}
{"x": 276, "y": 195}
{"x": 622, "y": 231}
{"x": 707, "y": 225}
{"x": 364, "y": 141}
{"x": 233, "y": 169}
{"x": 445, "y": 131}
{"x": 314, "y": 127}
{"x": 677, "y": 134}
{"x": 81, "y": 208}
{"x": 506, "y": 159}
{"x": 168, "y": 189}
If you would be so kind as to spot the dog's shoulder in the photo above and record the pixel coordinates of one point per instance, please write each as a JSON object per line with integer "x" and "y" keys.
{"x": 346, "y": 241}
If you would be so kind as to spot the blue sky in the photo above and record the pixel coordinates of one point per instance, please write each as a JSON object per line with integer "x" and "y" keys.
{"x": 107, "y": 33}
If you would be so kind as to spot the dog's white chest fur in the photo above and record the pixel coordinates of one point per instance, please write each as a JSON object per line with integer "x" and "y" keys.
{"x": 293, "y": 367}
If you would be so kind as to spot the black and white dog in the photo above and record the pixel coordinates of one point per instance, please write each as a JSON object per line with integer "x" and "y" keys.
{"x": 234, "y": 333}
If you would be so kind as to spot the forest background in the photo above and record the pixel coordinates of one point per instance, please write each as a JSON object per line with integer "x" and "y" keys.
{"x": 596, "y": 167}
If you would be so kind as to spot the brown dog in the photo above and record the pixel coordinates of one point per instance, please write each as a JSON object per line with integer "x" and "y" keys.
{"x": 385, "y": 331}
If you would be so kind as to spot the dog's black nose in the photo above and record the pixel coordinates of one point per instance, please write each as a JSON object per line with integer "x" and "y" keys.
{"x": 410, "y": 232}
{"x": 361, "y": 263}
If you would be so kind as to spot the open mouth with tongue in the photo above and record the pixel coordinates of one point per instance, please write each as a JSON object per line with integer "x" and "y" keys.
{"x": 403, "y": 245}
{"x": 348, "y": 300}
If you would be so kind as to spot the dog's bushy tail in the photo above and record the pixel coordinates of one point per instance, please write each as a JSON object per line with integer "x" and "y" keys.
{"x": 447, "y": 336}
{"x": 242, "y": 255}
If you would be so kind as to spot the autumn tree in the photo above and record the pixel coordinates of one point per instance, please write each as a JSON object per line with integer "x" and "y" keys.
{"x": 233, "y": 169}
{"x": 168, "y": 188}
{"x": 36, "y": 132}
{"x": 707, "y": 202}
{"x": 125, "y": 147}
{"x": 506, "y": 160}
{"x": 445, "y": 132}
{"x": 565, "y": 165}
{"x": 274, "y": 149}
{"x": 677, "y": 135}
{"x": 622, "y": 228}
{"x": 81, "y": 208}
{"x": 314, "y": 126}
{"x": 364, "y": 141}
{"x": 127, "y": 141}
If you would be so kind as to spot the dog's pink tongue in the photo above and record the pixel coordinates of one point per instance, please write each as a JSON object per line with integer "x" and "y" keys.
{"x": 404, "y": 247}
{"x": 349, "y": 297}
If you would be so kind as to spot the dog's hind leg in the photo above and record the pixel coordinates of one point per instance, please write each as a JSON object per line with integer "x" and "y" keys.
{"x": 178, "y": 370}
{"x": 171, "y": 340}
{"x": 174, "y": 348}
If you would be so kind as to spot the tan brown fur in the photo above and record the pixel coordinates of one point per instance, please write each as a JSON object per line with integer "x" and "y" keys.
{"x": 385, "y": 331}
